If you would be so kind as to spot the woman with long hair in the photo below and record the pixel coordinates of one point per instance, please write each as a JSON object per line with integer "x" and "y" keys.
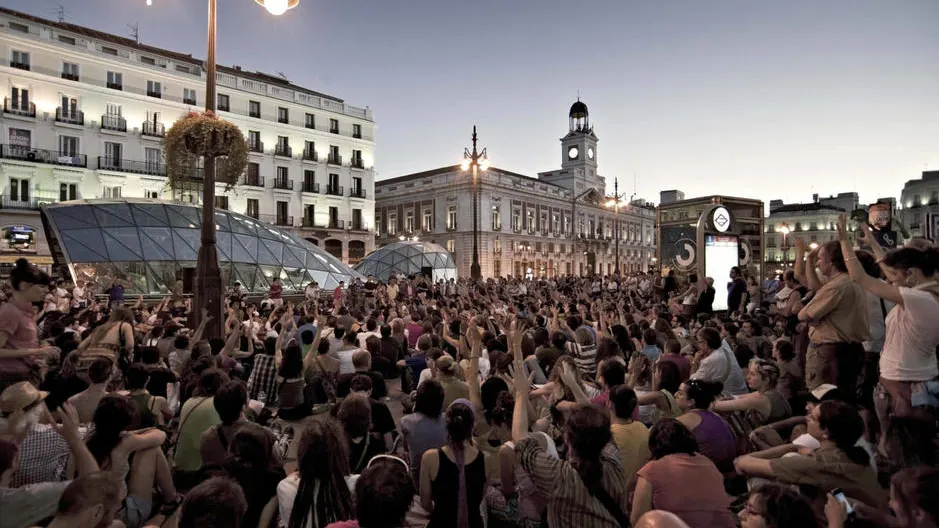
{"x": 291, "y": 385}
{"x": 135, "y": 458}
{"x": 713, "y": 434}
{"x": 453, "y": 478}
{"x": 666, "y": 380}
{"x": 775, "y": 506}
{"x": 319, "y": 492}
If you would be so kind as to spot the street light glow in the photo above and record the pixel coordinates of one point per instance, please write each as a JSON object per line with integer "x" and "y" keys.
{"x": 465, "y": 164}
{"x": 278, "y": 7}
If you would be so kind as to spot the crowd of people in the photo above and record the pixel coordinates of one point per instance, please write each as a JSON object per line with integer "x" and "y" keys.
{"x": 508, "y": 403}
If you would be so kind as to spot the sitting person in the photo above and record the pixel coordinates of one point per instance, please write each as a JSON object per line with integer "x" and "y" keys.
{"x": 772, "y": 505}
{"x": 216, "y": 502}
{"x": 765, "y": 404}
{"x": 362, "y": 362}
{"x": 666, "y": 380}
{"x": 713, "y": 435}
{"x": 424, "y": 429}
{"x": 838, "y": 463}
{"x": 91, "y": 501}
{"x": 99, "y": 375}
{"x": 680, "y": 480}
{"x": 230, "y": 402}
{"x": 151, "y": 410}
{"x": 355, "y": 414}
{"x": 630, "y": 436}
{"x": 383, "y": 495}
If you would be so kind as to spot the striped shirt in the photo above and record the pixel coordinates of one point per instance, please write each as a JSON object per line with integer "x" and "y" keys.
{"x": 585, "y": 357}
{"x": 569, "y": 501}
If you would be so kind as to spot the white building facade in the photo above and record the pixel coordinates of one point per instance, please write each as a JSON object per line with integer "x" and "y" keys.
{"x": 84, "y": 114}
{"x": 550, "y": 226}
{"x": 919, "y": 202}
{"x": 813, "y": 222}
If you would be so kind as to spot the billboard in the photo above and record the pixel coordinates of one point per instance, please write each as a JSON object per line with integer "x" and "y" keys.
{"x": 721, "y": 252}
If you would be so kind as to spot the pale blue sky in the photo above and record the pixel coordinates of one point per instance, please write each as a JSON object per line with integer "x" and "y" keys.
{"x": 756, "y": 98}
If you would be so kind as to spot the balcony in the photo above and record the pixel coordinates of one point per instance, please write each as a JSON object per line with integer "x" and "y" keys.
{"x": 19, "y": 65}
{"x": 283, "y": 183}
{"x": 333, "y": 130}
{"x": 308, "y": 222}
{"x": 70, "y": 76}
{"x": 51, "y": 157}
{"x": 283, "y": 120}
{"x": 254, "y": 181}
{"x": 334, "y": 190}
{"x": 357, "y": 226}
{"x": 311, "y": 155}
{"x": 115, "y": 86}
{"x": 155, "y": 93}
{"x": 357, "y": 163}
{"x": 256, "y": 146}
{"x": 189, "y": 101}
{"x": 73, "y": 117}
{"x": 19, "y": 108}
{"x": 334, "y": 159}
{"x": 356, "y": 135}
{"x": 132, "y": 166}
{"x": 31, "y": 202}
{"x": 283, "y": 150}
{"x": 223, "y": 107}
{"x": 356, "y": 193}
{"x": 278, "y": 220}
{"x": 334, "y": 223}
{"x": 309, "y": 187}
{"x": 153, "y": 129}
{"x": 252, "y": 113}
{"x": 113, "y": 122}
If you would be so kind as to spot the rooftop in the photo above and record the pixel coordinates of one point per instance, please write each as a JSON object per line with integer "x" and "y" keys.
{"x": 174, "y": 55}
{"x": 930, "y": 176}
{"x": 805, "y": 208}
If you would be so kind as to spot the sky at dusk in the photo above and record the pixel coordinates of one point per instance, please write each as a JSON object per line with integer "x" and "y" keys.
{"x": 743, "y": 97}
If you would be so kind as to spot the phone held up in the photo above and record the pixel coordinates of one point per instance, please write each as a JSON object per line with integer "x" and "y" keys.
{"x": 839, "y": 495}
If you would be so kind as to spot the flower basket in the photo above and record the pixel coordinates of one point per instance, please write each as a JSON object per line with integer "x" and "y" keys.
{"x": 198, "y": 136}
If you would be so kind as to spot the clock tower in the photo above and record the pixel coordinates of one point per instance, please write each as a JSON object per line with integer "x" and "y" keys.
{"x": 579, "y": 146}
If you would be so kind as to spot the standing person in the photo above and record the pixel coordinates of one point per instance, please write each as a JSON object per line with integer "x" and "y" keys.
{"x": 116, "y": 294}
{"x": 339, "y": 295}
{"x": 276, "y": 293}
{"x": 705, "y": 303}
{"x": 837, "y": 318}
{"x": 78, "y": 296}
{"x": 20, "y": 353}
{"x": 312, "y": 294}
{"x": 736, "y": 292}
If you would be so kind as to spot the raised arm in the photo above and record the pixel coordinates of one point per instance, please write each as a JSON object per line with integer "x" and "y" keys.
{"x": 197, "y": 335}
{"x": 878, "y": 287}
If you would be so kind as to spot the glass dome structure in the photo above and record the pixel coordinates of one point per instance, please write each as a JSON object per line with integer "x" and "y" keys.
{"x": 148, "y": 244}
{"x": 408, "y": 258}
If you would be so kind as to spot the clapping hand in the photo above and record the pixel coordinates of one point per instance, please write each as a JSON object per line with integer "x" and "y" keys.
{"x": 842, "y": 227}
{"x": 68, "y": 429}
{"x": 568, "y": 376}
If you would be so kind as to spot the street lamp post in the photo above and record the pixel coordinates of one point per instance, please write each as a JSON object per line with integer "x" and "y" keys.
{"x": 784, "y": 230}
{"x": 476, "y": 161}
{"x": 615, "y": 202}
{"x": 208, "y": 280}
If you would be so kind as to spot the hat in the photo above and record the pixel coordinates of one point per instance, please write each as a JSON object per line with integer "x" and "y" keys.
{"x": 21, "y": 396}
{"x": 445, "y": 363}
{"x": 824, "y": 392}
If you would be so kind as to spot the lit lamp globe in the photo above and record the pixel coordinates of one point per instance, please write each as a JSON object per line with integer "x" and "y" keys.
{"x": 278, "y": 7}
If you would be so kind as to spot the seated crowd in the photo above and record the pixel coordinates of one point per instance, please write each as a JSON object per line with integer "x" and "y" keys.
{"x": 564, "y": 402}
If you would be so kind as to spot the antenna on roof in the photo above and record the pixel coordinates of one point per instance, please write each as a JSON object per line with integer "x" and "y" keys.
{"x": 578, "y": 94}
{"x": 282, "y": 76}
{"x": 135, "y": 31}
{"x": 61, "y": 13}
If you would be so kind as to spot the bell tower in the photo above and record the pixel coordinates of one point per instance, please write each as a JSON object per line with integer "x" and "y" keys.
{"x": 579, "y": 147}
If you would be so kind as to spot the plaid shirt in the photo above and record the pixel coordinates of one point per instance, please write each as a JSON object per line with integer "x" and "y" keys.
{"x": 43, "y": 457}
{"x": 263, "y": 378}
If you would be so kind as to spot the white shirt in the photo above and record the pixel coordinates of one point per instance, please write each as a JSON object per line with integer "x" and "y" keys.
{"x": 287, "y": 494}
{"x": 714, "y": 368}
{"x": 912, "y": 335}
{"x": 363, "y": 336}
{"x": 345, "y": 361}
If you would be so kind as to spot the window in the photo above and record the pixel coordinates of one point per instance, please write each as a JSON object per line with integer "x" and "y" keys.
{"x": 283, "y": 146}
{"x": 934, "y": 197}
{"x": 451, "y": 245}
{"x": 428, "y": 221}
{"x": 70, "y": 71}
{"x": 22, "y": 28}
{"x": 451, "y": 217}
{"x": 254, "y": 108}
{"x": 111, "y": 192}
{"x": 497, "y": 245}
{"x": 516, "y": 220}
{"x": 154, "y": 159}
{"x": 310, "y": 121}
{"x": 112, "y": 109}
{"x": 531, "y": 222}
{"x": 153, "y": 195}
{"x": 19, "y": 99}
{"x": 357, "y": 159}
{"x": 409, "y": 222}
{"x": 222, "y": 102}
{"x": 334, "y": 157}
{"x": 67, "y": 191}
{"x": 282, "y": 173}
{"x": 496, "y": 218}
{"x": 357, "y": 189}
{"x": 357, "y": 220}
{"x": 334, "y": 126}
{"x": 309, "y": 150}
{"x": 148, "y": 60}
{"x": 19, "y": 189}
{"x": 253, "y": 175}
{"x": 221, "y": 202}
{"x": 309, "y": 214}
{"x": 334, "y": 218}
{"x": 309, "y": 181}
{"x": 65, "y": 39}
{"x": 282, "y": 115}
{"x": 69, "y": 108}
{"x": 68, "y": 146}
{"x": 357, "y": 131}
{"x": 392, "y": 224}
{"x": 333, "y": 183}
{"x": 115, "y": 80}
{"x": 254, "y": 141}
{"x": 497, "y": 268}
{"x": 112, "y": 154}
{"x": 108, "y": 51}
{"x": 189, "y": 96}
{"x": 154, "y": 89}
{"x": 19, "y": 59}
{"x": 253, "y": 208}
{"x": 182, "y": 68}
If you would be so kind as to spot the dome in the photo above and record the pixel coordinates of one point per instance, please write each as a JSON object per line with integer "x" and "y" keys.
{"x": 147, "y": 244}
{"x": 579, "y": 109}
{"x": 408, "y": 258}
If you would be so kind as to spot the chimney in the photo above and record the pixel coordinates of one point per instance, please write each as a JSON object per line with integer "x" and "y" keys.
{"x": 815, "y": 198}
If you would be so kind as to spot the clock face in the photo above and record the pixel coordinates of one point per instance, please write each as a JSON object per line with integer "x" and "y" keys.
{"x": 573, "y": 153}
{"x": 590, "y": 152}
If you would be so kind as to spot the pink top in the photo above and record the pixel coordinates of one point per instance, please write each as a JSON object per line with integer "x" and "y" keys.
{"x": 17, "y": 324}
{"x": 343, "y": 524}
{"x": 692, "y": 488}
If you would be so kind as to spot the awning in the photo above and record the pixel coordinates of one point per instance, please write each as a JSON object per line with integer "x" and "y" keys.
{"x": 11, "y": 258}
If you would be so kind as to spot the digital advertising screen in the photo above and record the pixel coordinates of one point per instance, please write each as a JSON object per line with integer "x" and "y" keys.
{"x": 721, "y": 252}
